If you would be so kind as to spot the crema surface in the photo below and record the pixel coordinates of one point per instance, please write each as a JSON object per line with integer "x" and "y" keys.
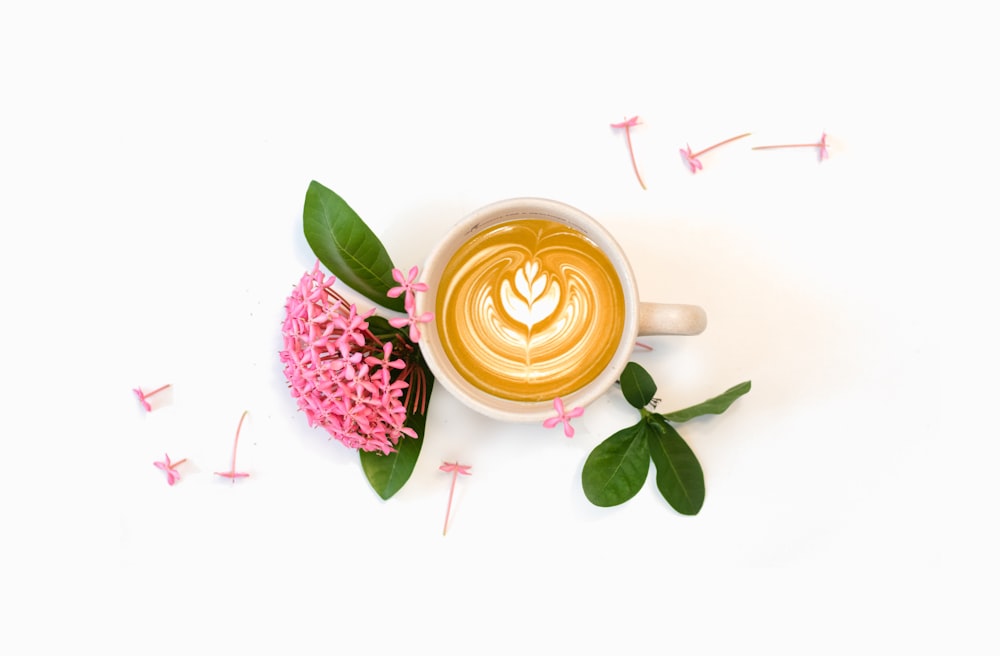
{"x": 529, "y": 310}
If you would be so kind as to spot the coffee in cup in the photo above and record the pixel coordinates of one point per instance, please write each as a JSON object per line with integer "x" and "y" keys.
{"x": 533, "y": 300}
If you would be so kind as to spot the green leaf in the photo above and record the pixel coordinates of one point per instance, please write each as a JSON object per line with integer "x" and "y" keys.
{"x": 678, "y": 474}
{"x": 380, "y": 327}
{"x": 637, "y": 385}
{"x": 388, "y": 473}
{"x": 714, "y": 406}
{"x": 347, "y": 246}
{"x": 617, "y": 468}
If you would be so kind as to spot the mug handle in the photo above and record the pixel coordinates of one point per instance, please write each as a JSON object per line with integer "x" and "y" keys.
{"x": 671, "y": 319}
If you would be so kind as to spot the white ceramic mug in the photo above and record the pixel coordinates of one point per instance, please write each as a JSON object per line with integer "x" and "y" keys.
{"x": 639, "y": 318}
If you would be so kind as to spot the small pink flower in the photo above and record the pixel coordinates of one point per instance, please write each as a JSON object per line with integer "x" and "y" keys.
{"x": 627, "y": 123}
{"x": 455, "y": 467}
{"x": 690, "y": 159}
{"x": 562, "y": 416}
{"x": 412, "y": 320}
{"x": 143, "y": 396}
{"x": 407, "y": 286}
{"x": 169, "y": 468}
{"x": 385, "y": 363}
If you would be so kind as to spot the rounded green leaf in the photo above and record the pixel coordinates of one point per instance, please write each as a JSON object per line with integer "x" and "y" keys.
{"x": 617, "y": 468}
{"x": 678, "y": 473}
{"x": 637, "y": 385}
{"x": 347, "y": 246}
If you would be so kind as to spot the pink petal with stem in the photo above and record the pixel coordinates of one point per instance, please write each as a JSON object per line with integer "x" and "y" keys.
{"x": 455, "y": 469}
{"x": 693, "y": 163}
{"x": 143, "y": 396}
{"x": 142, "y": 399}
{"x": 169, "y": 468}
{"x": 629, "y": 123}
{"x": 232, "y": 473}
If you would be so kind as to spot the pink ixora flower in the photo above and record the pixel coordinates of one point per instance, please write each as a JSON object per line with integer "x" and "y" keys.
{"x": 354, "y": 384}
{"x": 562, "y": 416}
{"x": 690, "y": 159}
{"x": 824, "y": 153}
{"x": 144, "y": 396}
{"x": 170, "y": 468}
{"x": 412, "y": 320}
{"x": 406, "y": 286}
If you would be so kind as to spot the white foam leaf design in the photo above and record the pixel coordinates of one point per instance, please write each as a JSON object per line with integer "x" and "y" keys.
{"x": 529, "y": 301}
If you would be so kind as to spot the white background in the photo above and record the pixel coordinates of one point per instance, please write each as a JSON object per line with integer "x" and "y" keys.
{"x": 154, "y": 163}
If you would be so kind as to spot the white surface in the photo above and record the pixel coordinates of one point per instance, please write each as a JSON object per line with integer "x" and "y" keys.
{"x": 154, "y": 162}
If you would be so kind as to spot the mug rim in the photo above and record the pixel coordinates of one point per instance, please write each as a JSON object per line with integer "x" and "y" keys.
{"x": 502, "y": 211}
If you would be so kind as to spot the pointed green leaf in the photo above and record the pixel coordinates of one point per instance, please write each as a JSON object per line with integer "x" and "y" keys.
{"x": 617, "y": 468}
{"x": 714, "y": 406}
{"x": 678, "y": 473}
{"x": 388, "y": 473}
{"x": 637, "y": 385}
{"x": 347, "y": 246}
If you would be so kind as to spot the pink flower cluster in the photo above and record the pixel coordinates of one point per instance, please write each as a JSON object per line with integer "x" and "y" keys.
{"x": 342, "y": 376}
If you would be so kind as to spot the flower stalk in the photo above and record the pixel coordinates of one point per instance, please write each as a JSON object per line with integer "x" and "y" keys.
{"x": 691, "y": 159}
{"x": 232, "y": 473}
{"x": 627, "y": 124}
{"x": 824, "y": 152}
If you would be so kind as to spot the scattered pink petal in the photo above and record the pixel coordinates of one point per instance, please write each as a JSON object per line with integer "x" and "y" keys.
{"x": 563, "y": 417}
{"x": 144, "y": 396}
{"x": 824, "y": 153}
{"x": 691, "y": 159}
{"x": 232, "y": 473}
{"x": 455, "y": 470}
{"x": 169, "y": 468}
{"x": 628, "y": 124}
{"x": 644, "y": 346}
{"x": 454, "y": 466}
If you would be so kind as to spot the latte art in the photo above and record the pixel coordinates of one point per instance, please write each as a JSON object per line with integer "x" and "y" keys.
{"x": 529, "y": 310}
